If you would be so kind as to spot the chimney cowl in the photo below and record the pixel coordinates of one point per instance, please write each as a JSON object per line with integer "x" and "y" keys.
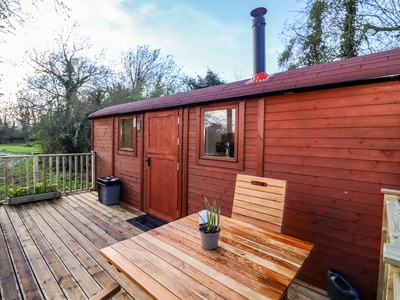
{"x": 258, "y": 15}
{"x": 258, "y": 26}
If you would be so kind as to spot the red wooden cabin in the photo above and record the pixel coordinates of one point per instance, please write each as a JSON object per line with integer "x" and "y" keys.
{"x": 331, "y": 130}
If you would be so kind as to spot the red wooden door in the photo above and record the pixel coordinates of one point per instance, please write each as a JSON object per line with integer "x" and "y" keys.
{"x": 161, "y": 131}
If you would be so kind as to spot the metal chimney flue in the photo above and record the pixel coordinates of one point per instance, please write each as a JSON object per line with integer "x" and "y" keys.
{"x": 259, "y": 44}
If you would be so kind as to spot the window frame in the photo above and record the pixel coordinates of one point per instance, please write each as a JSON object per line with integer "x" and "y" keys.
{"x": 237, "y": 162}
{"x": 132, "y": 149}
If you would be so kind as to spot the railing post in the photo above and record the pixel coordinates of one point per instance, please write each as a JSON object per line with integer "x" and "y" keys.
{"x": 81, "y": 180}
{"x": 63, "y": 172}
{"x": 27, "y": 166}
{"x": 35, "y": 168}
{"x": 58, "y": 172}
{"x": 5, "y": 180}
{"x": 20, "y": 171}
{"x": 51, "y": 170}
{"x": 13, "y": 172}
{"x": 87, "y": 171}
{"x": 76, "y": 172}
{"x": 43, "y": 173}
{"x": 93, "y": 170}
{"x": 70, "y": 173}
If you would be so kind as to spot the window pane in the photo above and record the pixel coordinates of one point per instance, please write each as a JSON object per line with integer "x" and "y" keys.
{"x": 126, "y": 136}
{"x": 219, "y": 133}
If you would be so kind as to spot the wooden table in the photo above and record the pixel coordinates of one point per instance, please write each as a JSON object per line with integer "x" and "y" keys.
{"x": 249, "y": 263}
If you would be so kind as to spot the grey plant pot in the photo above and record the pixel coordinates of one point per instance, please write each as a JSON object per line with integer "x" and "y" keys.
{"x": 209, "y": 241}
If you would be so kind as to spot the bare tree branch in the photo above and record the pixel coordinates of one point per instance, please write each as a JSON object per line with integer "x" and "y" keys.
{"x": 374, "y": 25}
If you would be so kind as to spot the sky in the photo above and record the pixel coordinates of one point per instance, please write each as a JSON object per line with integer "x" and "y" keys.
{"x": 198, "y": 34}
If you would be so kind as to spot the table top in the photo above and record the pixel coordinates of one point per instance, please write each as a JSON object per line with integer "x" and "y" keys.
{"x": 249, "y": 263}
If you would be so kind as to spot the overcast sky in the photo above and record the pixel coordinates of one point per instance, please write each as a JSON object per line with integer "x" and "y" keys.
{"x": 198, "y": 34}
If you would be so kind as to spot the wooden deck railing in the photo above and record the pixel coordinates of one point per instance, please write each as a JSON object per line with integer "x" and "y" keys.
{"x": 389, "y": 271}
{"x": 69, "y": 172}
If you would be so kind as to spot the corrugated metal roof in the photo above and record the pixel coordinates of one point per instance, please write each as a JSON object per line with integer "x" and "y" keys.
{"x": 382, "y": 65}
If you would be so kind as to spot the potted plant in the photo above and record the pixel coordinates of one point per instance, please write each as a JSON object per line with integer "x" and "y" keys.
{"x": 209, "y": 229}
{"x": 24, "y": 194}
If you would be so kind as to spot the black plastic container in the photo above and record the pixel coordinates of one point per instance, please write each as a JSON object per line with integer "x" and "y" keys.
{"x": 339, "y": 288}
{"x": 109, "y": 189}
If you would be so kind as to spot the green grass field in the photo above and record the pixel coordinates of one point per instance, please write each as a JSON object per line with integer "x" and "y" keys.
{"x": 19, "y": 148}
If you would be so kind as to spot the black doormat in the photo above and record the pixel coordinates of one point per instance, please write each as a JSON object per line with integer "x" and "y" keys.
{"x": 146, "y": 222}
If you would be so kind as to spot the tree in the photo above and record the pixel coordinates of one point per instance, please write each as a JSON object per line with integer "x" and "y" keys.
{"x": 150, "y": 74}
{"x": 379, "y": 24}
{"x": 4, "y": 132}
{"x": 11, "y": 13}
{"x": 349, "y": 43}
{"x": 117, "y": 93}
{"x": 60, "y": 95}
{"x": 340, "y": 29}
{"x": 306, "y": 46}
{"x": 314, "y": 46}
{"x": 26, "y": 119}
{"x": 211, "y": 79}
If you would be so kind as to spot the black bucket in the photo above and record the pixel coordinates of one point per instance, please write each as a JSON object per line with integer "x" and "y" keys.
{"x": 339, "y": 288}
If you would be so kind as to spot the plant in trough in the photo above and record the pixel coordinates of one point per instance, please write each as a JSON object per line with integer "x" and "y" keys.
{"x": 39, "y": 188}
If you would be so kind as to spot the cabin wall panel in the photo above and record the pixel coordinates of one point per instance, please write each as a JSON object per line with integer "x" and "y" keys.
{"x": 102, "y": 145}
{"x": 360, "y": 164}
{"x": 250, "y": 138}
{"x": 337, "y": 149}
{"x": 373, "y": 155}
{"x": 379, "y": 93}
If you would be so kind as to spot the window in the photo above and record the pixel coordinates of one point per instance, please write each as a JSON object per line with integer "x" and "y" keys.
{"x": 126, "y": 133}
{"x": 127, "y": 129}
{"x": 219, "y": 129}
{"x": 219, "y": 141}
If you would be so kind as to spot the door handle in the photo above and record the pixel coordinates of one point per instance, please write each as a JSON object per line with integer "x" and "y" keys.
{"x": 148, "y": 161}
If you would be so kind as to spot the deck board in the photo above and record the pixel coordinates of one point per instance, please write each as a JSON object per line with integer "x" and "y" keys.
{"x": 27, "y": 284}
{"x": 9, "y": 288}
{"x": 67, "y": 284}
{"x": 47, "y": 283}
{"x": 109, "y": 215}
{"x": 50, "y": 250}
{"x": 65, "y": 247}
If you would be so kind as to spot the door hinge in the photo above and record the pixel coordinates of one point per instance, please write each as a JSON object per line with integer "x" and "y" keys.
{"x": 178, "y": 141}
{"x": 178, "y": 120}
{"x": 177, "y": 166}
{"x": 177, "y": 214}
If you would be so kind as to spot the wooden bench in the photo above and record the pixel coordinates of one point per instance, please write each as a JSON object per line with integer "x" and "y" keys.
{"x": 259, "y": 201}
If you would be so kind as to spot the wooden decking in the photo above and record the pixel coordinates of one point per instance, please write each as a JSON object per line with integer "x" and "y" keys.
{"x": 50, "y": 250}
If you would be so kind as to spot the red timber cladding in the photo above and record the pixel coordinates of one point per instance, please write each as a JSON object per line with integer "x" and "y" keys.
{"x": 102, "y": 145}
{"x": 128, "y": 167}
{"x": 336, "y": 148}
{"x": 215, "y": 182}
